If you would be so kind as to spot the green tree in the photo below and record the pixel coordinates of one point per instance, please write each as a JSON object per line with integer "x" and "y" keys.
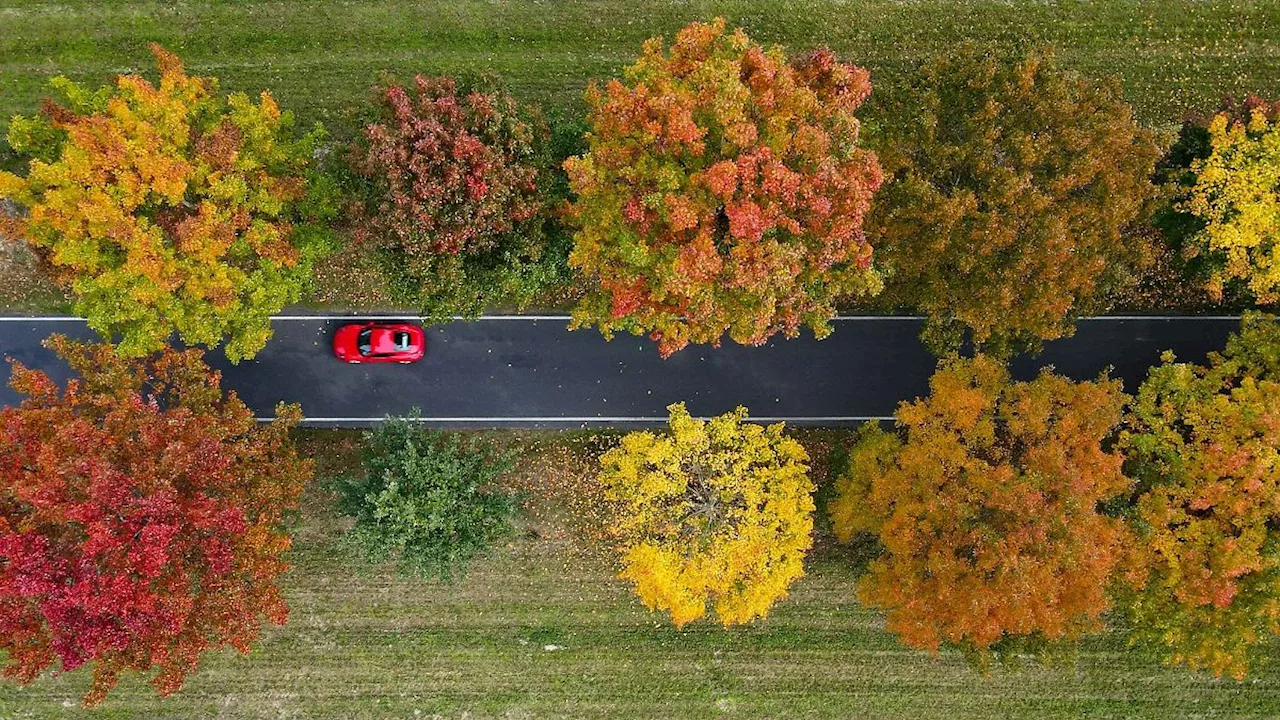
{"x": 1010, "y": 190}
{"x": 171, "y": 208}
{"x": 426, "y": 500}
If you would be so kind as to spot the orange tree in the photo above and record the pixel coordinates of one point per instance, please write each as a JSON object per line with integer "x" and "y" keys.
{"x": 985, "y": 510}
{"x": 1201, "y": 442}
{"x": 140, "y": 517}
{"x": 171, "y": 208}
{"x": 718, "y": 512}
{"x": 1010, "y": 188}
{"x": 448, "y": 183}
{"x": 723, "y": 190}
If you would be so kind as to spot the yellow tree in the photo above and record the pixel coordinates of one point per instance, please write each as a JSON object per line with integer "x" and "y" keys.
{"x": 1237, "y": 196}
{"x": 716, "y": 512}
{"x": 170, "y": 208}
{"x": 986, "y": 510}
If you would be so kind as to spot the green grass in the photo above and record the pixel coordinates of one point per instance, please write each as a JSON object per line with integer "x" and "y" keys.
{"x": 321, "y": 56}
{"x": 376, "y": 645}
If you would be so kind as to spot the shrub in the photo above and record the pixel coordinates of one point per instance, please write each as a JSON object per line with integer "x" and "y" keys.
{"x": 1012, "y": 188}
{"x": 723, "y": 190}
{"x": 170, "y": 208}
{"x": 450, "y": 199}
{"x": 716, "y": 512}
{"x": 985, "y": 508}
{"x": 141, "y": 518}
{"x": 426, "y": 500}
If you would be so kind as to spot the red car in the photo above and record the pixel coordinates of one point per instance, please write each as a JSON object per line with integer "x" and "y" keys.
{"x": 377, "y": 342}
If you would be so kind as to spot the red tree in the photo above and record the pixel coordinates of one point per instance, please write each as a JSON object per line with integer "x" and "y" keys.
{"x": 140, "y": 517}
{"x": 450, "y": 195}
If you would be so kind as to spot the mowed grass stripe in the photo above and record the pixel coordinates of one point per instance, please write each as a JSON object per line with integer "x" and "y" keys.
{"x": 319, "y": 57}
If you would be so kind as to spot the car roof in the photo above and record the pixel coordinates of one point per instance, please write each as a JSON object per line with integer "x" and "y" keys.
{"x": 382, "y": 339}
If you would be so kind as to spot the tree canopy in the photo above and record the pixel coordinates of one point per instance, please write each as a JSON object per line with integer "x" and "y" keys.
{"x": 985, "y": 506}
{"x": 1011, "y": 187}
{"x": 1203, "y": 444}
{"x": 718, "y": 512}
{"x": 141, "y": 517}
{"x": 171, "y": 208}
{"x": 427, "y": 501}
{"x": 723, "y": 191}
{"x": 448, "y": 181}
{"x": 1235, "y": 197}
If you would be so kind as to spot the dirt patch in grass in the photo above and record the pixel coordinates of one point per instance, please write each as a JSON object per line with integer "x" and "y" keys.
{"x": 349, "y": 279}
{"x": 24, "y": 287}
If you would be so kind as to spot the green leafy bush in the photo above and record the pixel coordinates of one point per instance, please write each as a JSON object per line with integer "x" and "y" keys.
{"x": 426, "y": 500}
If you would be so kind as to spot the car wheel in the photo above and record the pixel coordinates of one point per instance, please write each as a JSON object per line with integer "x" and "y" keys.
{"x": 405, "y": 362}
{"x": 353, "y": 362}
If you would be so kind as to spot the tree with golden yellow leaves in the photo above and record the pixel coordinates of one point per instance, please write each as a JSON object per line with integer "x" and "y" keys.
{"x": 717, "y": 512}
{"x": 1236, "y": 196}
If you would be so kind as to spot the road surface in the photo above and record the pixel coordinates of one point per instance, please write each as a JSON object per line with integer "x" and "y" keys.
{"x": 531, "y": 371}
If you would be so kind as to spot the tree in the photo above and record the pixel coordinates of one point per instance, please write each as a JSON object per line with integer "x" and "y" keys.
{"x": 986, "y": 510}
{"x": 426, "y": 500}
{"x": 717, "y": 512}
{"x": 141, "y": 517}
{"x": 723, "y": 190}
{"x": 450, "y": 198}
{"x": 169, "y": 208}
{"x": 1011, "y": 188}
{"x": 1201, "y": 442}
{"x": 1235, "y": 200}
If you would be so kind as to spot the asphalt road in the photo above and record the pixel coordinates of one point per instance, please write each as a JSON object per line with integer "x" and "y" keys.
{"x": 527, "y": 372}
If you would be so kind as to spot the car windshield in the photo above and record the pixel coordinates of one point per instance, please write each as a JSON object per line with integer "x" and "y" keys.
{"x": 364, "y": 341}
{"x": 402, "y": 340}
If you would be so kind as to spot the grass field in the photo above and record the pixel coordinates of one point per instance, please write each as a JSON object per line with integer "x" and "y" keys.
{"x": 319, "y": 56}
{"x": 542, "y": 629}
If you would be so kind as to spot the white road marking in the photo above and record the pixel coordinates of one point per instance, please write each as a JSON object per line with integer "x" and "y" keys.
{"x": 535, "y": 318}
{"x": 634, "y": 419}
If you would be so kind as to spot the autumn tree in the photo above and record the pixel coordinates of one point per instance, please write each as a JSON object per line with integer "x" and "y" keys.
{"x": 1201, "y": 442}
{"x": 716, "y": 512}
{"x": 723, "y": 191}
{"x": 1233, "y": 199}
{"x": 171, "y": 208}
{"x": 141, "y": 517}
{"x": 1011, "y": 188}
{"x": 985, "y": 505}
{"x": 449, "y": 197}
{"x": 426, "y": 500}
